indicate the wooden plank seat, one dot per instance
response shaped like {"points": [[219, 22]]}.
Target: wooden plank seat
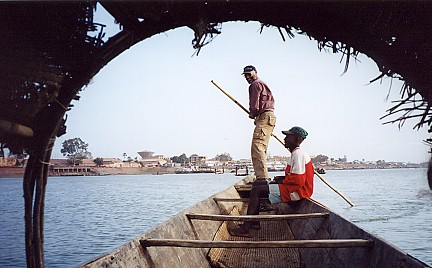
{"points": [[325, 243], [217, 199], [214, 217], [243, 188]]}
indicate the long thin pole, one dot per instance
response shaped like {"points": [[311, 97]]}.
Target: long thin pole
{"points": [[281, 142]]}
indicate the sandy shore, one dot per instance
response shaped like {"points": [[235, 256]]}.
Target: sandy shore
{"points": [[11, 172], [18, 172]]}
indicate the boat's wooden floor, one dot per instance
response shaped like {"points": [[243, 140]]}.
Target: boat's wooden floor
{"points": [[255, 257]]}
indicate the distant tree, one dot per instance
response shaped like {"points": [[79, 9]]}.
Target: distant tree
{"points": [[20, 155], [98, 161], [175, 159], [319, 159], [223, 157], [76, 150], [19, 158], [183, 158], [13, 153], [381, 162], [343, 160], [180, 159]]}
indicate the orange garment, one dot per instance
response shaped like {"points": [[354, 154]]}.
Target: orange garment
{"points": [[299, 176]]}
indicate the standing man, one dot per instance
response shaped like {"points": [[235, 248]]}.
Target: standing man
{"points": [[261, 109], [295, 185]]}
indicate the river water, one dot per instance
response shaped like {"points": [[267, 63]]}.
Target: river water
{"points": [[88, 216]]}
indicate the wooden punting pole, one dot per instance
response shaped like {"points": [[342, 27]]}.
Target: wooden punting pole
{"points": [[281, 142]]}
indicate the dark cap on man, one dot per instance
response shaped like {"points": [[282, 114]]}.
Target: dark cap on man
{"points": [[248, 69], [296, 131]]}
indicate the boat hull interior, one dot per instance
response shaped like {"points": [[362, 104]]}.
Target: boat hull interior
{"points": [[341, 243]]}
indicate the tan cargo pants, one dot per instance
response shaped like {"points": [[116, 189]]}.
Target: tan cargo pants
{"points": [[264, 125]]}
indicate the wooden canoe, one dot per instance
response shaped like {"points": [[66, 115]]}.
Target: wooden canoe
{"points": [[305, 234]]}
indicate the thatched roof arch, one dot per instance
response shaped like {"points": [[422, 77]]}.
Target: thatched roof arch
{"points": [[50, 50]]}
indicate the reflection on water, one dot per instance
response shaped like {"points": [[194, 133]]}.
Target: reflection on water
{"points": [[87, 216]]}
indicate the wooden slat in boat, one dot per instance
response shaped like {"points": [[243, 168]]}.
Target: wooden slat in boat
{"points": [[246, 187], [327, 243], [216, 199], [256, 217], [243, 190]]}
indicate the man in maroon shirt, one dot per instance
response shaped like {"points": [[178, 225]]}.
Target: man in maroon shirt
{"points": [[261, 107]]}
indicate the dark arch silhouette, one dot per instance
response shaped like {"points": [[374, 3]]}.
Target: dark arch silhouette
{"points": [[50, 50]]}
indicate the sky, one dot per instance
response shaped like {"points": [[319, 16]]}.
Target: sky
{"points": [[158, 96]]}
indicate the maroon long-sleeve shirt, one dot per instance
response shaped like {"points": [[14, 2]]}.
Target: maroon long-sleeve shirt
{"points": [[260, 98]]}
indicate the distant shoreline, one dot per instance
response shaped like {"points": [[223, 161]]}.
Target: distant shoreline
{"points": [[18, 172]]}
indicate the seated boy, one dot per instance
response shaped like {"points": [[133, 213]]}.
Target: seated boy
{"points": [[295, 185]]}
